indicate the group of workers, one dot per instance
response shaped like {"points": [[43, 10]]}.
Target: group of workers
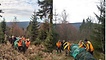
{"points": [[20, 43], [64, 45], [87, 45]]}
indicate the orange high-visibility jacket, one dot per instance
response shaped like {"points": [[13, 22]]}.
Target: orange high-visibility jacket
{"points": [[27, 43], [58, 44], [81, 45], [20, 43], [89, 46], [67, 45]]}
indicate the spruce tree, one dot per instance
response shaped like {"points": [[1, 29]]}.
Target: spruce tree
{"points": [[99, 31], [86, 29], [1, 36], [33, 27], [28, 30], [3, 25], [49, 41], [82, 25], [44, 28], [46, 9], [2, 31]]}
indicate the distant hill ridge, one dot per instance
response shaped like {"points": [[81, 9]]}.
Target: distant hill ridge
{"points": [[26, 23]]}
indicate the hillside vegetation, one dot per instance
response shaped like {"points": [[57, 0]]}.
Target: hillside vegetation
{"points": [[36, 53], [33, 53], [44, 36]]}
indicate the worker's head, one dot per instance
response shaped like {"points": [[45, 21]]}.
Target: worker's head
{"points": [[12, 36], [85, 40], [80, 41], [27, 40], [22, 36], [71, 44], [63, 40], [58, 40], [19, 40]]}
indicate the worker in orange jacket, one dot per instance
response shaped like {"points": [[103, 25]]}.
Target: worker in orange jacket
{"points": [[89, 46], [20, 45], [59, 44], [23, 38], [27, 43], [81, 44]]}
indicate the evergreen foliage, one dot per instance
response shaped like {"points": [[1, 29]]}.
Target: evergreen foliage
{"points": [[1, 36], [46, 9], [2, 31], [99, 31], [33, 27], [3, 26], [49, 41], [86, 28], [44, 28]]}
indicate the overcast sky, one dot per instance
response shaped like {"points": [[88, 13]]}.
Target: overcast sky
{"points": [[77, 10], [23, 9]]}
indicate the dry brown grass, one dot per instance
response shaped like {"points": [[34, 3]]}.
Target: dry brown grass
{"points": [[33, 53]]}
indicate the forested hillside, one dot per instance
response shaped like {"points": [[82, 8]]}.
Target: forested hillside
{"points": [[49, 40]]}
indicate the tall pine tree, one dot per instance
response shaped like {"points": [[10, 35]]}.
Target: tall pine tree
{"points": [[46, 9], [3, 25], [2, 31], [49, 42], [33, 27], [1, 36], [99, 32], [44, 28]]}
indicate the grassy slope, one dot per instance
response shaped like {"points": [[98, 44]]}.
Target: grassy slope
{"points": [[99, 55], [33, 53], [37, 53]]}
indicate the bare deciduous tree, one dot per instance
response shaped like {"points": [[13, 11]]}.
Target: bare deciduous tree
{"points": [[66, 30], [15, 29]]}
